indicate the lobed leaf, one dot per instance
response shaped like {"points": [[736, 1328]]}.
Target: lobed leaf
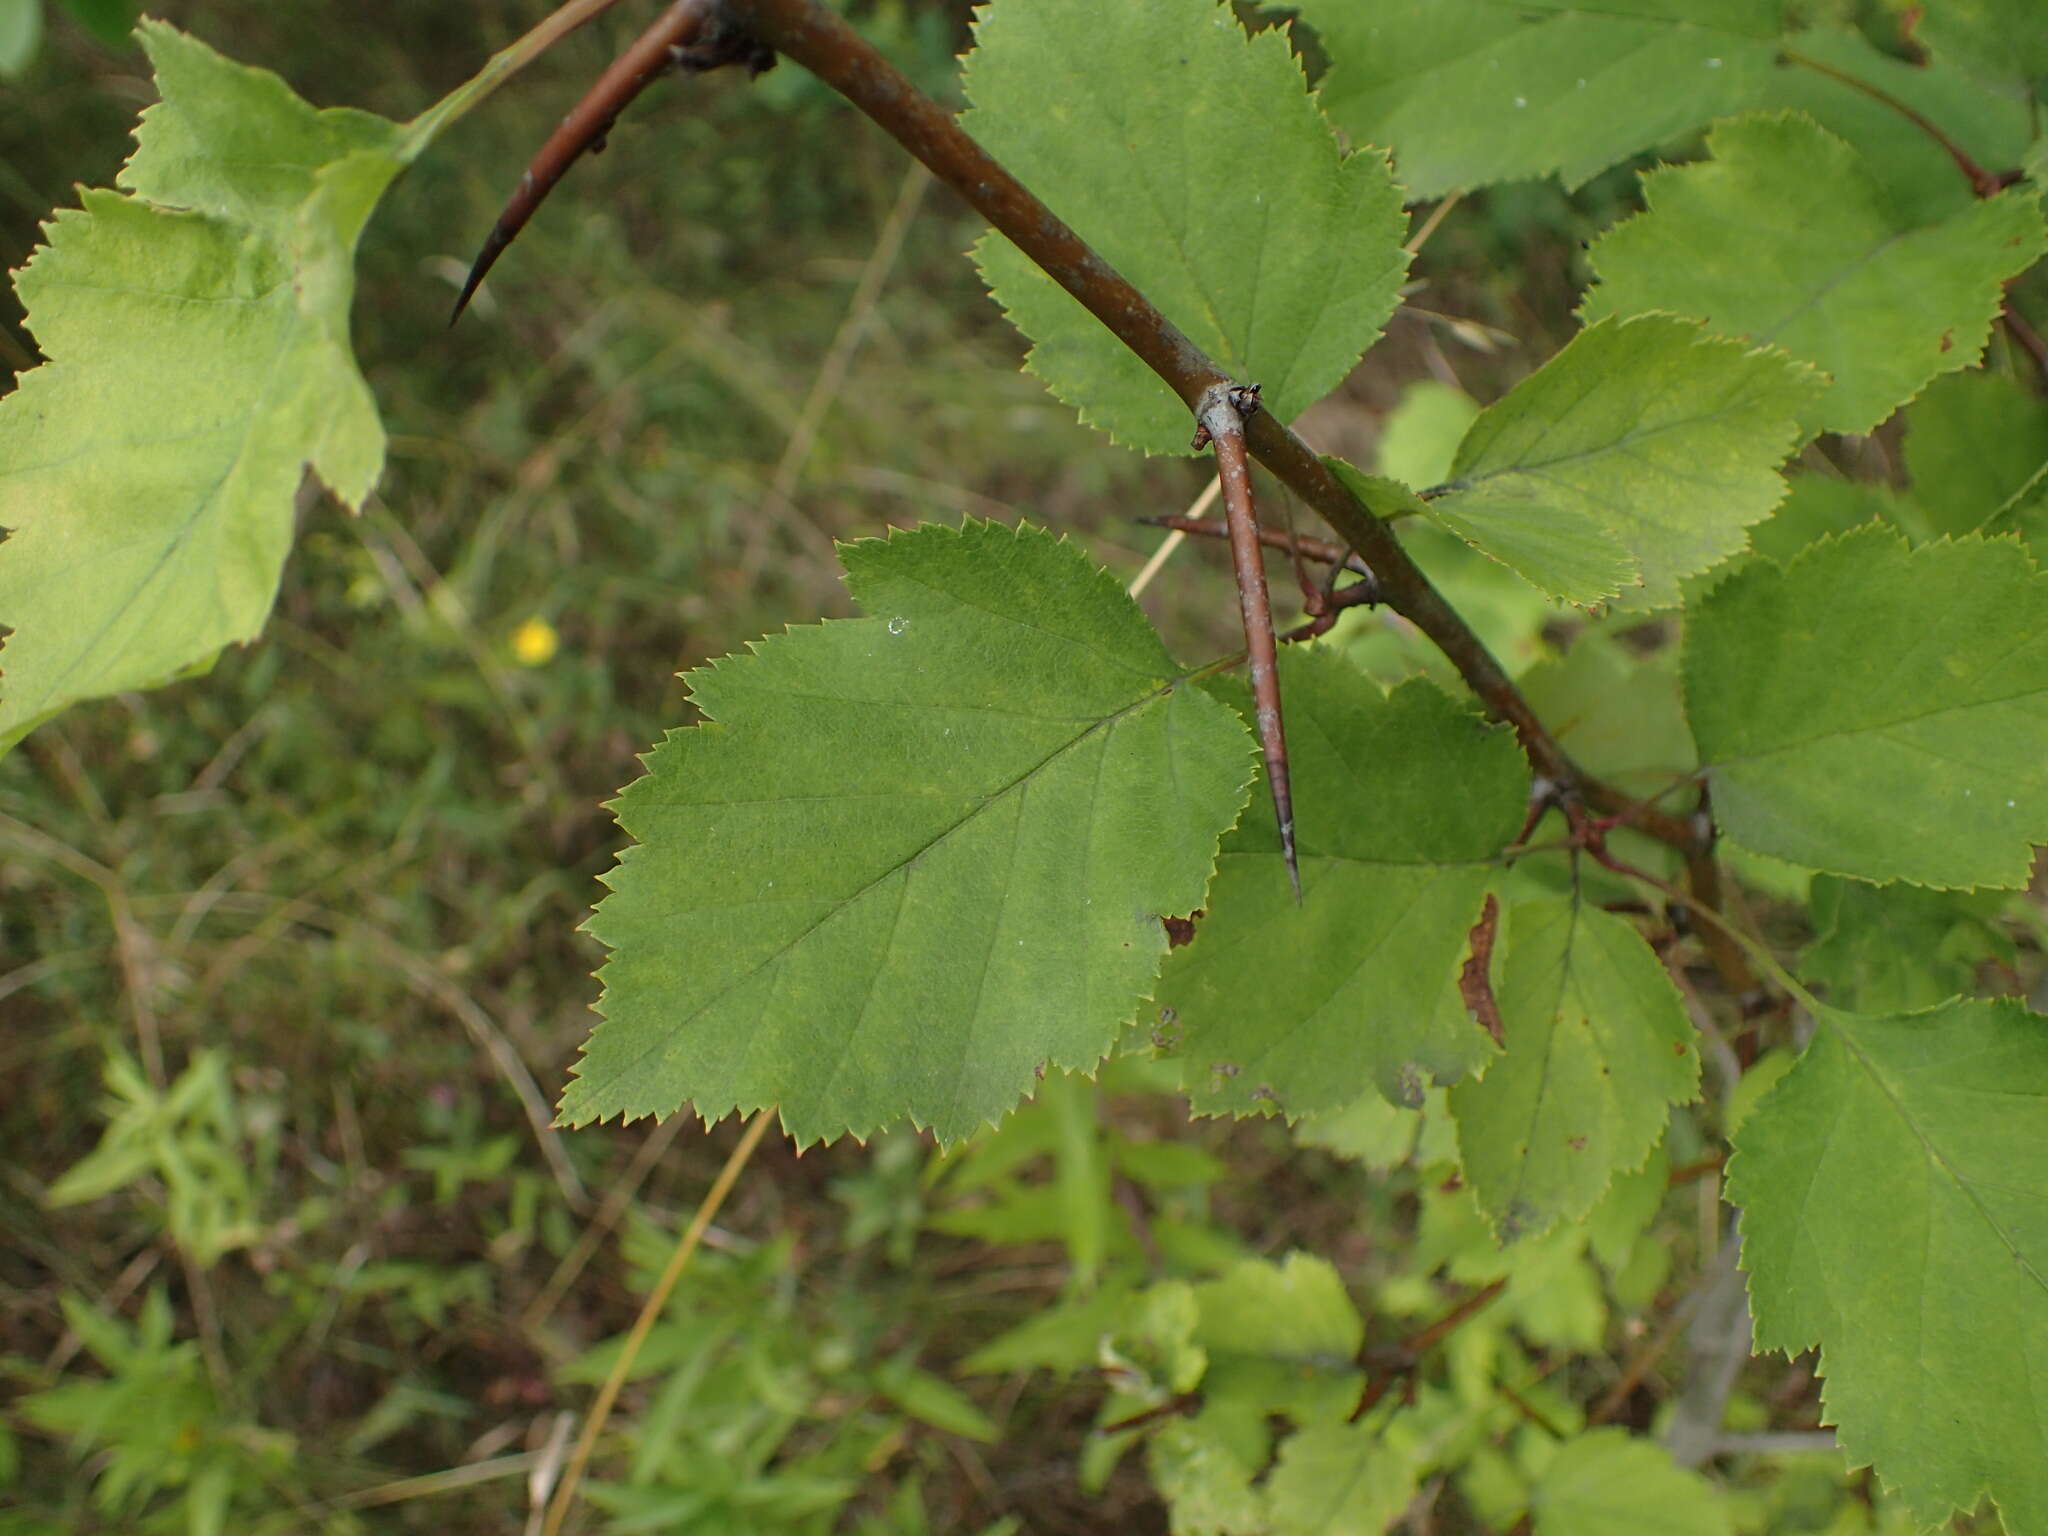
{"points": [[1894, 1197], [199, 362], [1467, 92], [1402, 801], [1879, 711], [1784, 237], [914, 858], [1598, 1049], [1636, 456], [1209, 179]]}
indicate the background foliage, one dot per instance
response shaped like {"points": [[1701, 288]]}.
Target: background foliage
{"points": [[290, 970]]}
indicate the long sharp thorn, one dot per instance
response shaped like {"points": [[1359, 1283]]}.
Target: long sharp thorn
{"points": [[651, 54], [1223, 425]]}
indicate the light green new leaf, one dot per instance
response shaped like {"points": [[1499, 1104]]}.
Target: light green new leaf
{"points": [[1619, 713], [1638, 454], [1785, 238], [1194, 160], [1894, 1197], [1608, 1482], [1205, 1480], [1296, 1308], [1598, 1049], [916, 857], [1337, 1479], [1401, 802], [1467, 92], [1840, 702], [1561, 551], [199, 364], [1977, 451]]}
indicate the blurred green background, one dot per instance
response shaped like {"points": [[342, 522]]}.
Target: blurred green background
{"points": [[289, 960]]}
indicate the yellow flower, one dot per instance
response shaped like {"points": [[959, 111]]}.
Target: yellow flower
{"points": [[535, 642]]}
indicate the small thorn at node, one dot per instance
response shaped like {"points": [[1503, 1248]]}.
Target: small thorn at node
{"points": [[1287, 853]]}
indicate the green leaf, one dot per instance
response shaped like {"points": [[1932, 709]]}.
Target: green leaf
{"points": [[1608, 1483], [1891, 948], [199, 362], [1977, 452], [1617, 712], [1836, 700], [2002, 42], [1064, 1337], [1894, 1197], [21, 35], [916, 857], [1818, 505], [1368, 1129], [1205, 1481], [931, 1401], [1468, 92], [1549, 552], [1210, 179], [1598, 1048], [1334, 1479], [1401, 803], [1297, 1308], [1420, 436], [1638, 454], [1784, 237]]}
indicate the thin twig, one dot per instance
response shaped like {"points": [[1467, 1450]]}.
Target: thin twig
{"points": [[1400, 1361], [2028, 339], [1222, 418], [1983, 182], [1322, 551], [1176, 538], [657, 1299], [1421, 236]]}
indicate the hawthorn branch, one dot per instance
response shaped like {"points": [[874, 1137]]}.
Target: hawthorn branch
{"points": [[818, 40]]}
